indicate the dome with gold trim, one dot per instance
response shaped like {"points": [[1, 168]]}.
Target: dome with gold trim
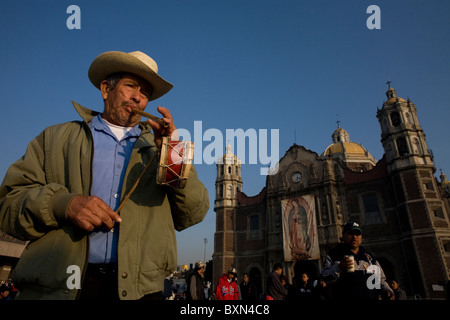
{"points": [[352, 154], [348, 148]]}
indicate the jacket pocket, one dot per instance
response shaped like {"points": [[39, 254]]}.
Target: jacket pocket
{"points": [[45, 261], [151, 281]]}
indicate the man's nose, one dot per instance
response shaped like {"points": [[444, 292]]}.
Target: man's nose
{"points": [[136, 97]]}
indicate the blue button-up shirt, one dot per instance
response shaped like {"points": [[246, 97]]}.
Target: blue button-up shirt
{"points": [[109, 165]]}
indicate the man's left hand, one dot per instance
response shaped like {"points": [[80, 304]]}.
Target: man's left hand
{"points": [[159, 130]]}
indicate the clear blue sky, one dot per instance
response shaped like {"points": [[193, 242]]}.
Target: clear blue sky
{"points": [[261, 64]]}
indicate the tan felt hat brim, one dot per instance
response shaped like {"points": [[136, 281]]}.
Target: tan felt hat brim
{"points": [[111, 62]]}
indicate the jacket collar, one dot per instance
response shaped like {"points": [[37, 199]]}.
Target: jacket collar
{"points": [[88, 115], [85, 113]]}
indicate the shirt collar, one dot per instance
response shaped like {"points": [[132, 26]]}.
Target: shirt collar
{"points": [[99, 124]]}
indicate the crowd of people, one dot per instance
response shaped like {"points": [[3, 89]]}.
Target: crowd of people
{"points": [[350, 272], [303, 287]]}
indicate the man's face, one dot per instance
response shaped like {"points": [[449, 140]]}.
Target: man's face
{"points": [[305, 278], [394, 285], [130, 92], [353, 239]]}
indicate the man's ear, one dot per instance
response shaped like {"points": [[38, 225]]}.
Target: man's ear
{"points": [[104, 88]]}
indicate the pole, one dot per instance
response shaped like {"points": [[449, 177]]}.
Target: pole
{"points": [[205, 240]]}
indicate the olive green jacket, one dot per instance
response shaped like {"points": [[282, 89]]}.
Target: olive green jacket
{"points": [[56, 167]]}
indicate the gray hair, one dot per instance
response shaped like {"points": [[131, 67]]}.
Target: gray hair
{"points": [[114, 78]]}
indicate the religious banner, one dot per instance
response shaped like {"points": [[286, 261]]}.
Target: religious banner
{"points": [[300, 238]]}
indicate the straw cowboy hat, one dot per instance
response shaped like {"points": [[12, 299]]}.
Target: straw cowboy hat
{"points": [[136, 62]]}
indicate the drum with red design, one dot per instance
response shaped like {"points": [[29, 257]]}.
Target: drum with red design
{"points": [[175, 162]]}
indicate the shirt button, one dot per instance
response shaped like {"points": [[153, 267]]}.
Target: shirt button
{"points": [[116, 195], [124, 275], [124, 293]]}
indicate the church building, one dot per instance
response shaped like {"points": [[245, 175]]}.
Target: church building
{"points": [[299, 214]]}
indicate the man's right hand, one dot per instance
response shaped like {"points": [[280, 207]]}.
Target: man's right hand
{"points": [[345, 263], [90, 212]]}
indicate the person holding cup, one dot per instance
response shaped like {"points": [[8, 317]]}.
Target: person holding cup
{"points": [[352, 271]]}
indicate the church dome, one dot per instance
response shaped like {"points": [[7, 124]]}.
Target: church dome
{"points": [[353, 154], [345, 147]]}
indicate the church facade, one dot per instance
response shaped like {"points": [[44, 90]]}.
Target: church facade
{"points": [[298, 216]]}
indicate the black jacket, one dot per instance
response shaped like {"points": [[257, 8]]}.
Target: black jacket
{"points": [[349, 285]]}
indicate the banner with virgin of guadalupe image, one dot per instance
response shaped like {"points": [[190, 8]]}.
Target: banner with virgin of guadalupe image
{"points": [[300, 238]]}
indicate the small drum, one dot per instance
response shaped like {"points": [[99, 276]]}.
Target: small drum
{"points": [[175, 162]]}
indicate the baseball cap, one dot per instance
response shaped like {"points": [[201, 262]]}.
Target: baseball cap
{"points": [[352, 227], [233, 271]]}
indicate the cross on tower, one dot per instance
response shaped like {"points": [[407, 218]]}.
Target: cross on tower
{"points": [[388, 83]]}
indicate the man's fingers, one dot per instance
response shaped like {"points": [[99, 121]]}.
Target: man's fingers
{"points": [[90, 212], [108, 214], [165, 112], [85, 225], [167, 118], [156, 127]]}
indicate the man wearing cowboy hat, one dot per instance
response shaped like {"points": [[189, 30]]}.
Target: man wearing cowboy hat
{"points": [[62, 195]]}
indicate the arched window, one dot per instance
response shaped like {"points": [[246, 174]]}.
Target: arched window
{"points": [[395, 119], [253, 228], [402, 147], [371, 208]]}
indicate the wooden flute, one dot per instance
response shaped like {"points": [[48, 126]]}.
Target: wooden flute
{"points": [[150, 116]]}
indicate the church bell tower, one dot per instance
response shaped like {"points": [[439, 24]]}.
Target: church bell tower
{"points": [[228, 184], [420, 210], [401, 135]]}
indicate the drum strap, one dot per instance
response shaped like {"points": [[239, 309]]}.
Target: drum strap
{"points": [[137, 181]]}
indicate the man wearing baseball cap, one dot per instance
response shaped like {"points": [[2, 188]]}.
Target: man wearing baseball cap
{"points": [[349, 267], [64, 194], [227, 288]]}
